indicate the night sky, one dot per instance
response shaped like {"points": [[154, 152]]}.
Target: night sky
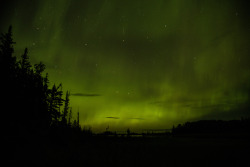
{"points": [[140, 64]]}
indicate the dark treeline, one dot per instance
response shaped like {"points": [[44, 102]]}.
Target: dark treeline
{"points": [[28, 104], [213, 126]]}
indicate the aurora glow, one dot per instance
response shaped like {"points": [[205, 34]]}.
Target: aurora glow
{"points": [[140, 64]]}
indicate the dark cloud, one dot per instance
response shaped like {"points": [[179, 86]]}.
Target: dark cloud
{"points": [[113, 117]]}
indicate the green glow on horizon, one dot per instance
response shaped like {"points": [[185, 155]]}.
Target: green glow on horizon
{"points": [[154, 64]]}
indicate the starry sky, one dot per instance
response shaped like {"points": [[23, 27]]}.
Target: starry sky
{"points": [[140, 64]]}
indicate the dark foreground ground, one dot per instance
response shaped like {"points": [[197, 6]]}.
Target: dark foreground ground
{"points": [[134, 151]]}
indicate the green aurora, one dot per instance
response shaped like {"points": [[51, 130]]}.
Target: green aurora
{"points": [[140, 64]]}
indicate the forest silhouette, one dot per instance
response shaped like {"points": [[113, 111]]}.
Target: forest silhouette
{"points": [[29, 105], [38, 129]]}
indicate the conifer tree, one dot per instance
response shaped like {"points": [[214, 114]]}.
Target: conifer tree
{"points": [[69, 117], [78, 124], [24, 62], [7, 60], [66, 109], [55, 102], [39, 68], [8, 82]]}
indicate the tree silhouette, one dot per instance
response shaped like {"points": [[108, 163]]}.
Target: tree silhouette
{"points": [[55, 102], [8, 61], [128, 132], [69, 117], [8, 76], [25, 65], [78, 119], [66, 109]]}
